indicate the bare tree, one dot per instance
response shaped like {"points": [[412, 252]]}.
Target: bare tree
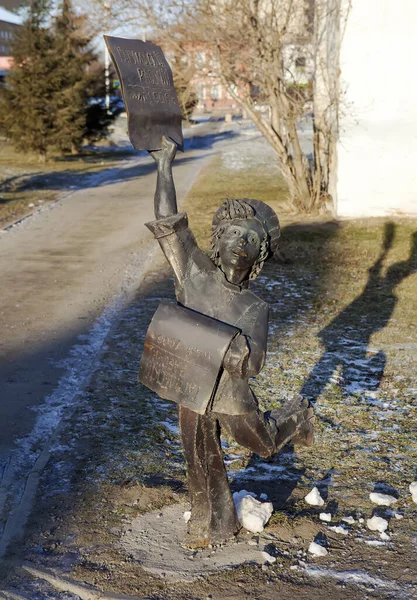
{"points": [[255, 48]]}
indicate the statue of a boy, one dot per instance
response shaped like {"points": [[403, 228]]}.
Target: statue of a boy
{"points": [[245, 234]]}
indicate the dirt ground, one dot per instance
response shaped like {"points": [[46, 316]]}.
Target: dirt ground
{"points": [[342, 332]]}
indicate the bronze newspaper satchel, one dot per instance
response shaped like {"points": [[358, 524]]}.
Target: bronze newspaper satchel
{"points": [[183, 355]]}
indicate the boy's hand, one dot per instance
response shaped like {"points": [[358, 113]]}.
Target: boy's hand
{"points": [[236, 359], [167, 153]]}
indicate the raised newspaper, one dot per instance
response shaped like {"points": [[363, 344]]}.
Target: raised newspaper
{"points": [[148, 92]]}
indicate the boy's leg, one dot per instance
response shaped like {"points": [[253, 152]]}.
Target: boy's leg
{"points": [[266, 433], [213, 514]]}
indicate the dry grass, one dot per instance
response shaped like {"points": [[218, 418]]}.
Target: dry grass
{"points": [[26, 185]]}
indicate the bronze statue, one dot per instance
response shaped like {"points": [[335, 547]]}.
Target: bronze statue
{"points": [[245, 234], [201, 352]]}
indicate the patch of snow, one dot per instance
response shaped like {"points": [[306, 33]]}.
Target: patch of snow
{"points": [[384, 536], [268, 558], [374, 543], [263, 497], [325, 517], [252, 514], [413, 491], [314, 498], [377, 524], [317, 550], [382, 499], [187, 516], [339, 529], [356, 577], [350, 520], [171, 427]]}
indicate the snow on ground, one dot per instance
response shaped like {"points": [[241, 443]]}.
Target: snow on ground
{"points": [[377, 524], [314, 498], [252, 514], [317, 550], [382, 499]]}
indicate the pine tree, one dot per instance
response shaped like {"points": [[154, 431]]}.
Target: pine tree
{"points": [[44, 104], [75, 80], [27, 108]]}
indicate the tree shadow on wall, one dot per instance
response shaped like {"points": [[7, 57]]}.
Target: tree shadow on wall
{"points": [[346, 339]]}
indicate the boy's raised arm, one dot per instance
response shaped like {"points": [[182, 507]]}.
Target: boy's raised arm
{"points": [[165, 201]]}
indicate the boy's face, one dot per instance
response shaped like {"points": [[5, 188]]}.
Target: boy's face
{"points": [[240, 243]]}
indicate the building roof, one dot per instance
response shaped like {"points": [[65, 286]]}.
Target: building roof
{"points": [[9, 17]]}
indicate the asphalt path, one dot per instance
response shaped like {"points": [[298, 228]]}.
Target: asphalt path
{"points": [[64, 274]]}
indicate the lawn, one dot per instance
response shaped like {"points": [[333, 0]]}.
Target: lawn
{"points": [[27, 185]]}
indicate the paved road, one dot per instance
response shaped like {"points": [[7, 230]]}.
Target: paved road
{"points": [[60, 273]]}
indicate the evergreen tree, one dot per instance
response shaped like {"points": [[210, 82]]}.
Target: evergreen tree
{"points": [[77, 81], [27, 108], [45, 102]]}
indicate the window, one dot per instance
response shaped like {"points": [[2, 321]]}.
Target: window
{"points": [[200, 58], [201, 92], [233, 89], [216, 91]]}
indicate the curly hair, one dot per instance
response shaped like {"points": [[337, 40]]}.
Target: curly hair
{"points": [[231, 209]]}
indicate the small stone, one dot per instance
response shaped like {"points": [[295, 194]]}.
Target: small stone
{"points": [[384, 536], [398, 516]]}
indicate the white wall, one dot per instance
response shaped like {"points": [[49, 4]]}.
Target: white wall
{"points": [[377, 151]]}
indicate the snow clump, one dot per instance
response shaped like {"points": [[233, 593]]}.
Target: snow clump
{"points": [[339, 529], [252, 514], [382, 499], [377, 524], [413, 491], [187, 516], [268, 558], [325, 517], [350, 520], [317, 550], [314, 498]]}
